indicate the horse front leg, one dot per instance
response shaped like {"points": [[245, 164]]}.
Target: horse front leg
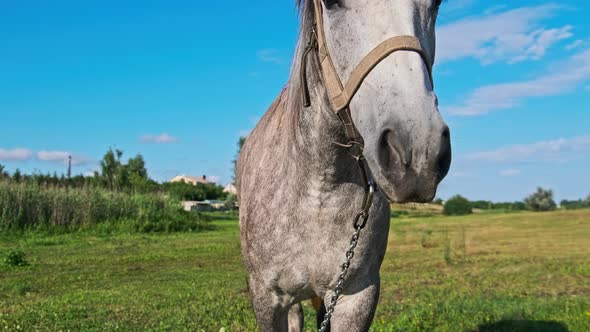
{"points": [[295, 318], [356, 308], [270, 309]]}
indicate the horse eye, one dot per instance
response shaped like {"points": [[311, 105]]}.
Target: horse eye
{"points": [[331, 3], [438, 3]]}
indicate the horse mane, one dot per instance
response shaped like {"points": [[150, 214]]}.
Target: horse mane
{"points": [[300, 4], [294, 103], [306, 13], [295, 86]]}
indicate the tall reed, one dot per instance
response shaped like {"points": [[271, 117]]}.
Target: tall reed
{"points": [[29, 206]]}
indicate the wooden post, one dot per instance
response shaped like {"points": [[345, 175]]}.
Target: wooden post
{"points": [[69, 167]]}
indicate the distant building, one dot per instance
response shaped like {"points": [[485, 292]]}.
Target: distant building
{"points": [[204, 206], [230, 189], [216, 204], [190, 205], [194, 180]]}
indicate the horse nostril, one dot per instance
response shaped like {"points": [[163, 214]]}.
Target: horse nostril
{"points": [[394, 151], [444, 156], [446, 134]]}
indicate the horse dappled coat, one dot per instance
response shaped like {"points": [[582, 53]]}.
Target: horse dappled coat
{"points": [[361, 84]]}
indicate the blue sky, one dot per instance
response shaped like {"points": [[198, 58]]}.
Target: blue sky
{"points": [[180, 81]]}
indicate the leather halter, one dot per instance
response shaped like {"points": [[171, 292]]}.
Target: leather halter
{"points": [[340, 95]]}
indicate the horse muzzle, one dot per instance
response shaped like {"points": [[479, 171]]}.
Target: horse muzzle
{"points": [[411, 171]]}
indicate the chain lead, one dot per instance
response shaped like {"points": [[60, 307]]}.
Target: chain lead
{"points": [[360, 221]]}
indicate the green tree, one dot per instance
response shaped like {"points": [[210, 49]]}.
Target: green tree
{"points": [[572, 205], [231, 202], [137, 174], [457, 206], [117, 175], [541, 200], [241, 142], [212, 191], [109, 165], [125, 176], [136, 165], [121, 173], [17, 176], [518, 206], [483, 205], [142, 185], [122, 181], [183, 191], [3, 173]]}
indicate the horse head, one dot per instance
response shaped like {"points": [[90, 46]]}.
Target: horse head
{"points": [[395, 110]]}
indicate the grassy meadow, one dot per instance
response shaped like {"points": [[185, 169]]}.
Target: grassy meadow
{"points": [[484, 272]]}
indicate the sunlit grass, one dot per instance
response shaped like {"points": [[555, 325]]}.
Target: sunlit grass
{"points": [[492, 272]]}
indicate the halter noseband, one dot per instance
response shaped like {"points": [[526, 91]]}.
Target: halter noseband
{"points": [[340, 95]]}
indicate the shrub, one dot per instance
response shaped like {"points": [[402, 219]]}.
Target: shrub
{"points": [[457, 206], [509, 206], [231, 202], [577, 204], [438, 201], [541, 200], [518, 206], [15, 258], [482, 205]]}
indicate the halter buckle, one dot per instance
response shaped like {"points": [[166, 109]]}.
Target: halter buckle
{"points": [[355, 149]]}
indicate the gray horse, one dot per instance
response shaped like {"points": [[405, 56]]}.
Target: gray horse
{"points": [[299, 187]]}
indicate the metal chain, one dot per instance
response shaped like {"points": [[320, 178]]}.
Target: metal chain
{"points": [[360, 221], [340, 285]]}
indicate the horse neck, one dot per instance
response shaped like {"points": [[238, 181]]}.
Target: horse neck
{"points": [[315, 129]]}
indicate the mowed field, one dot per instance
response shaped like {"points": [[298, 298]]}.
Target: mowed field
{"points": [[485, 272]]}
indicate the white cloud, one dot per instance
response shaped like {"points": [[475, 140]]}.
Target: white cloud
{"points": [[21, 154], [163, 138], [554, 150], [18, 154], [511, 36], [573, 45], [543, 40], [61, 157], [270, 55], [563, 78], [510, 172]]}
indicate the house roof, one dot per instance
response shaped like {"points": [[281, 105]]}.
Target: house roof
{"points": [[195, 179], [230, 188]]}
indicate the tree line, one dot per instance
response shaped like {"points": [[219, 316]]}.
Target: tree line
{"points": [[119, 175], [540, 200]]}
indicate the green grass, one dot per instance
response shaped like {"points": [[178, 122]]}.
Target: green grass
{"points": [[488, 272]]}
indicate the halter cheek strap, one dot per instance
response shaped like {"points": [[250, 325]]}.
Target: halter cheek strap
{"points": [[339, 94]]}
